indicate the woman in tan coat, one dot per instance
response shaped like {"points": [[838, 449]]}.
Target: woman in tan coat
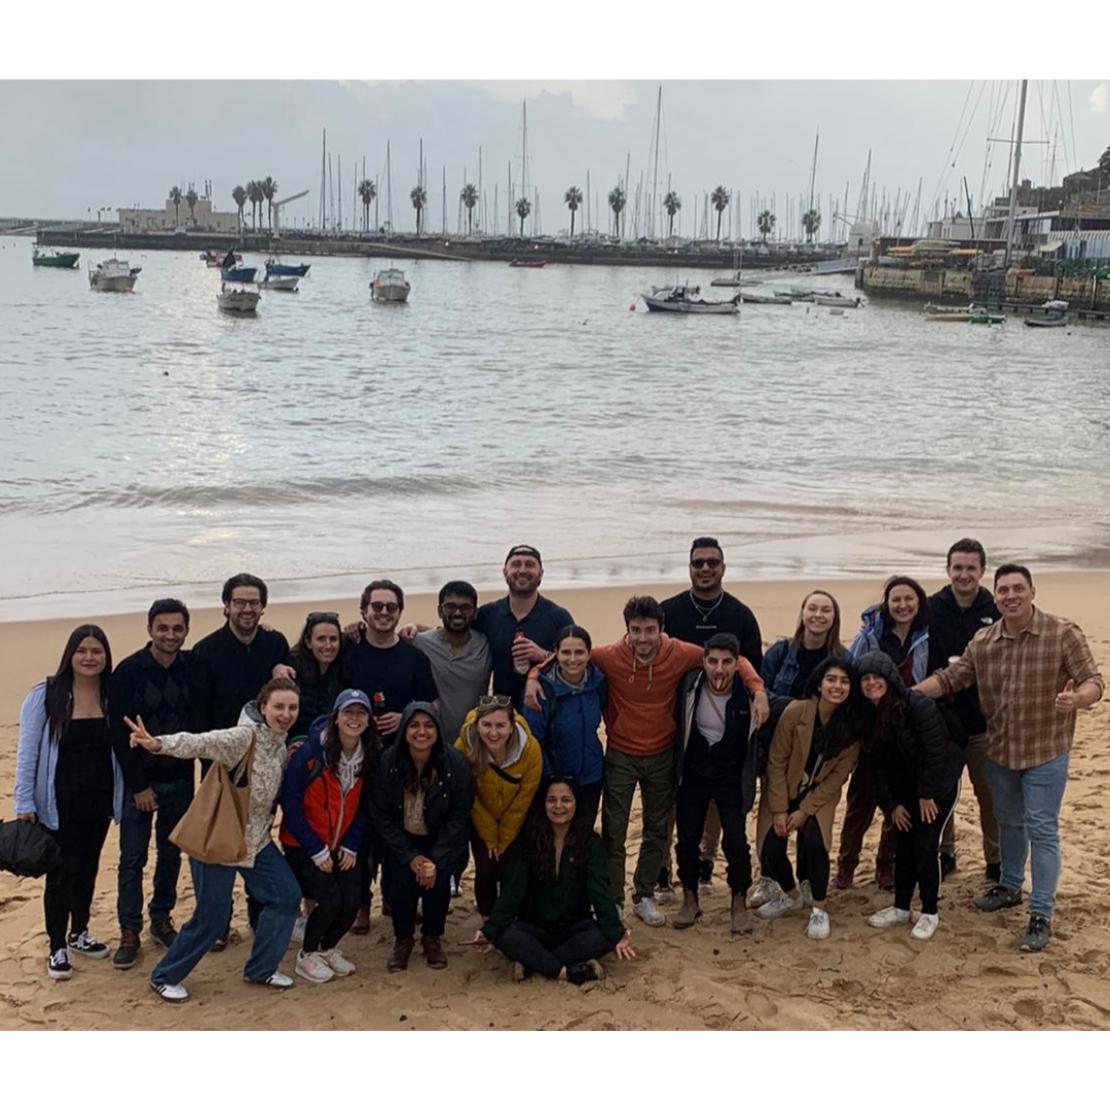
{"points": [[812, 754]]}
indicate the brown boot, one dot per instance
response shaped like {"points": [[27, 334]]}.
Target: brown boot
{"points": [[399, 958], [361, 924], [842, 880], [690, 911], [740, 921], [433, 952]]}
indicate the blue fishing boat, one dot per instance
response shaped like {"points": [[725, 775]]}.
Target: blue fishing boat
{"points": [[286, 269], [239, 273]]}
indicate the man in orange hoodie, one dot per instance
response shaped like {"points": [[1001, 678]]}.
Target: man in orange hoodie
{"points": [[643, 671]]}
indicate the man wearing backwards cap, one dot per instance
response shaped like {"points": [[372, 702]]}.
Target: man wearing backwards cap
{"points": [[526, 611]]}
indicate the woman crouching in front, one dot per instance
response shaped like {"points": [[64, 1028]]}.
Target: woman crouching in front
{"points": [[813, 751], [555, 914], [323, 826], [917, 770], [265, 724], [421, 808]]}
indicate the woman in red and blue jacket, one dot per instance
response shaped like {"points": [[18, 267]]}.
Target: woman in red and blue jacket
{"points": [[323, 826]]}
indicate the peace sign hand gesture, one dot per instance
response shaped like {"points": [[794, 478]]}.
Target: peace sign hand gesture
{"points": [[140, 738]]}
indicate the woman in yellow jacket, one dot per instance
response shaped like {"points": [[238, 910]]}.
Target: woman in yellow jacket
{"points": [[506, 762]]}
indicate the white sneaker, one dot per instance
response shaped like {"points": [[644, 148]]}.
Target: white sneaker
{"points": [[763, 892], [455, 891], [889, 916], [806, 891], [818, 927], [278, 980], [664, 893], [313, 967], [170, 992], [926, 926], [648, 912], [297, 936], [780, 904], [338, 962]]}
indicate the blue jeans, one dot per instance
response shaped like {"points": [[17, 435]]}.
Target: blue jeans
{"points": [[270, 881], [173, 800], [1027, 805]]}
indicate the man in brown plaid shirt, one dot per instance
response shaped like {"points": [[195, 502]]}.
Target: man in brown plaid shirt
{"points": [[1034, 671]]}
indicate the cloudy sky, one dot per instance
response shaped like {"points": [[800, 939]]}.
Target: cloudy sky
{"points": [[73, 146]]}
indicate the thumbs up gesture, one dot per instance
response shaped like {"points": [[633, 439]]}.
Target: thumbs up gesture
{"points": [[1065, 699]]}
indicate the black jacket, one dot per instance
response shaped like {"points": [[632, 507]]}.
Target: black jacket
{"points": [[684, 622], [921, 760], [235, 671], [950, 631], [446, 802]]}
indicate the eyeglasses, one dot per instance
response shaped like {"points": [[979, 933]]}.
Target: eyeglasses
{"points": [[319, 618], [502, 701], [239, 603], [450, 607], [384, 607], [697, 564]]}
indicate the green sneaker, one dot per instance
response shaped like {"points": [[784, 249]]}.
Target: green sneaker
{"points": [[1037, 934], [997, 898]]}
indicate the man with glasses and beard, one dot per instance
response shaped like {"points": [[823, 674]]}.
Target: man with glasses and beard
{"points": [[706, 609]]}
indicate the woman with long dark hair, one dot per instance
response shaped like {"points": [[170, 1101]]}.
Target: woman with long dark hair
{"points": [[555, 914], [899, 626], [318, 669], [324, 825], [67, 778], [813, 752], [917, 768], [420, 806], [506, 765]]}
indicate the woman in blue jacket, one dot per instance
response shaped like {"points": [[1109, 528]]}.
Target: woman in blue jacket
{"points": [[567, 722], [789, 662], [67, 779]]}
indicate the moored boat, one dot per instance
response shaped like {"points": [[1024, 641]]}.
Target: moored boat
{"points": [[275, 268], [390, 286], [762, 298], [528, 263], [1060, 321], [985, 318], [58, 260], [216, 261], [283, 283], [242, 301], [113, 275], [243, 274], [837, 300], [681, 298]]}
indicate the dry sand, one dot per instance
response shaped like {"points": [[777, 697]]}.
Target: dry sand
{"points": [[970, 976]]}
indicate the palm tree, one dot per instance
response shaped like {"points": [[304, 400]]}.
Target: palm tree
{"points": [[811, 221], [523, 207], [191, 199], [367, 191], [419, 198], [239, 195], [672, 202], [572, 198], [257, 196], [617, 202], [176, 197], [720, 198], [469, 197], [766, 223], [269, 190]]}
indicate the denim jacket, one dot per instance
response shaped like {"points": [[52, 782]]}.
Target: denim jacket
{"points": [[780, 667]]}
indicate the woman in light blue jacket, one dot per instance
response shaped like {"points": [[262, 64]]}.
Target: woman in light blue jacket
{"points": [[68, 780]]}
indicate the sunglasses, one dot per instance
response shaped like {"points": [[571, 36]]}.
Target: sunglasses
{"points": [[697, 564], [450, 607], [502, 701], [239, 603], [319, 618], [384, 607]]}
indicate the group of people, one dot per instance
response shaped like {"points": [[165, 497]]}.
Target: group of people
{"points": [[397, 753]]}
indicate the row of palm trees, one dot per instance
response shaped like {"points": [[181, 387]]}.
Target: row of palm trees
{"points": [[572, 198], [257, 192]]}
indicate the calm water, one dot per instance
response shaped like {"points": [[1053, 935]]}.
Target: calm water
{"points": [[150, 440]]}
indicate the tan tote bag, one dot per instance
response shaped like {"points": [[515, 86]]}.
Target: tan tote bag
{"points": [[213, 827]]}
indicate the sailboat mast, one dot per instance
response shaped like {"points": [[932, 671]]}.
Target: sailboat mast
{"points": [[813, 171], [1014, 183], [481, 194], [655, 168], [323, 180], [388, 189]]}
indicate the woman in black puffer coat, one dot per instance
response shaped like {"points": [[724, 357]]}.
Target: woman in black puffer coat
{"points": [[917, 768]]}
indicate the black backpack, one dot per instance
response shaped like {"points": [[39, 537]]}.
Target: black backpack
{"points": [[27, 849]]}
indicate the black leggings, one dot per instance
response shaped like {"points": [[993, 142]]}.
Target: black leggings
{"points": [[69, 887], [548, 951], [336, 894], [404, 893], [917, 855], [813, 859]]}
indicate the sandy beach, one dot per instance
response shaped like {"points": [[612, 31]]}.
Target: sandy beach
{"points": [[970, 976]]}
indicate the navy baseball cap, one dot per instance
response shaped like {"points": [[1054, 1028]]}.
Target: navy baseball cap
{"points": [[352, 697]]}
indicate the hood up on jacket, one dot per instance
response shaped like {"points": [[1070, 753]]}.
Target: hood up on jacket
{"points": [[414, 707], [878, 662]]}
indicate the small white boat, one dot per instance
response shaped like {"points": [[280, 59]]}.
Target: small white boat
{"points": [[837, 300], [1056, 306], [113, 275], [762, 298], [242, 301], [285, 283], [682, 298], [390, 286]]}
